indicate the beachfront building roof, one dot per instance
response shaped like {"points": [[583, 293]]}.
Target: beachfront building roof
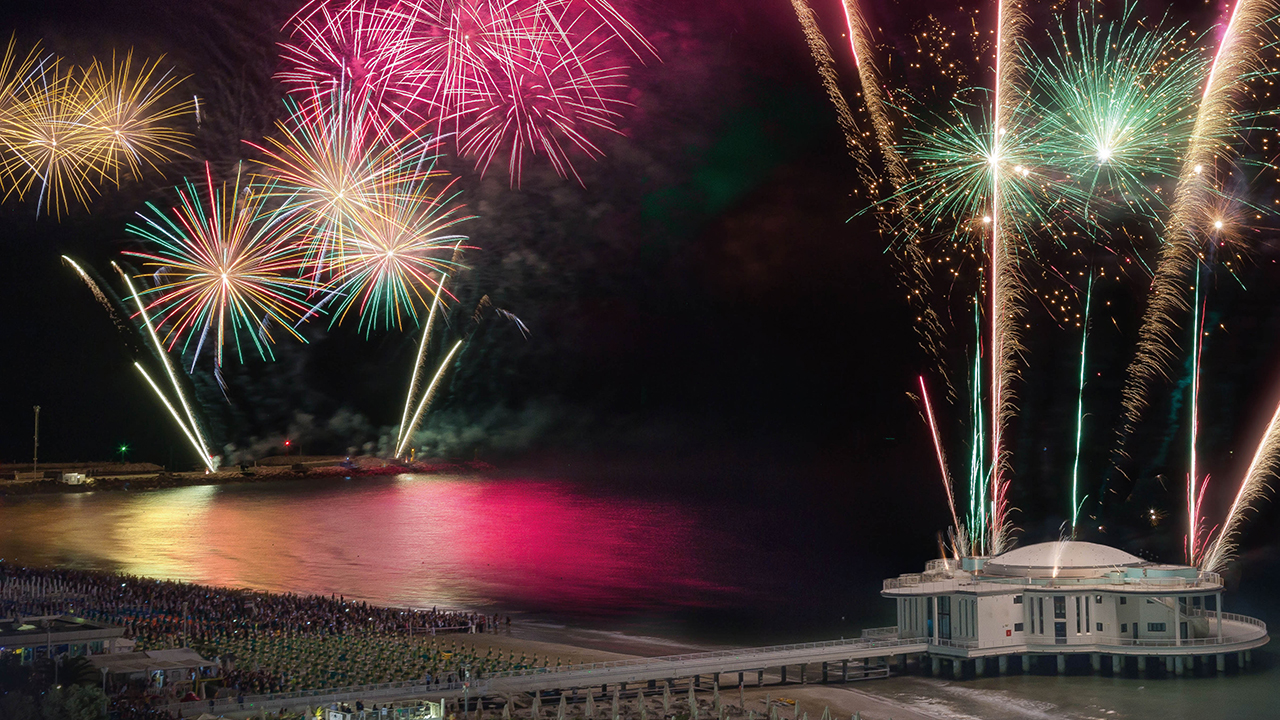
{"points": [[1062, 598], [31, 638]]}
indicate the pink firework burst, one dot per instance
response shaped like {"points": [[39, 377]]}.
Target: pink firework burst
{"points": [[505, 78]]}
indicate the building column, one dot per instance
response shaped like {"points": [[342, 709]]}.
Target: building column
{"points": [[803, 668], [1219, 663], [937, 665], [784, 674], [1177, 621], [1218, 611], [844, 671], [1002, 665], [1117, 664], [1142, 664], [979, 667], [1179, 665], [759, 678], [739, 679], [824, 672], [1168, 664], [1095, 662], [1062, 664], [1248, 658]]}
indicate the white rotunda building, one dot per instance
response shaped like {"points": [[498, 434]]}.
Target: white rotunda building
{"points": [[1063, 599]]}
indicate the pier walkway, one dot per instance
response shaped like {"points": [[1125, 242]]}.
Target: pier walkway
{"points": [[855, 659]]}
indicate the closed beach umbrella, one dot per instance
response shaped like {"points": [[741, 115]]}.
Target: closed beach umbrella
{"points": [[693, 703], [614, 714], [537, 705], [560, 710], [591, 705], [644, 707], [506, 710], [666, 700]]}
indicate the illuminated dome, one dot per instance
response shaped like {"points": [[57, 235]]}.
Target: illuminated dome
{"points": [[1061, 559]]}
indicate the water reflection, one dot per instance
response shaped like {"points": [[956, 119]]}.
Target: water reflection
{"points": [[411, 540]]}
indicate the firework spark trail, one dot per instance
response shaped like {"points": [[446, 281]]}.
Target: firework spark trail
{"points": [[417, 363], [168, 368], [831, 83], [977, 456], [1193, 515], [1255, 487], [910, 257], [98, 295], [1236, 56], [185, 431], [1005, 288], [426, 398], [958, 530], [1075, 467]]}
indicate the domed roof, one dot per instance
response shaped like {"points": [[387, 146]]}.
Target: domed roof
{"points": [[1075, 558]]}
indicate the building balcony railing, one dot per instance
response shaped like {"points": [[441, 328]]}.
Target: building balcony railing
{"points": [[1037, 643], [1206, 580]]}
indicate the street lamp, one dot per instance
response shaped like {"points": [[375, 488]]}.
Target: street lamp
{"points": [[123, 450]]}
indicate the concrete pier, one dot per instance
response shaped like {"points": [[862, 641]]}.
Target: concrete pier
{"points": [[1062, 664], [1219, 663], [1003, 665], [1117, 664], [1142, 664], [1168, 664], [937, 665], [1095, 662]]}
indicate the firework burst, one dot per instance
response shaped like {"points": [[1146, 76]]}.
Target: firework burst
{"points": [[222, 266]]}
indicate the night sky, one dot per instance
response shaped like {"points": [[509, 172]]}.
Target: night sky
{"points": [[707, 306]]}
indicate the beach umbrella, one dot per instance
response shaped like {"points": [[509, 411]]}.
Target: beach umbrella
{"points": [[693, 703], [826, 713], [560, 710], [537, 705], [506, 710], [666, 699], [591, 705], [715, 694], [644, 707], [614, 714]]}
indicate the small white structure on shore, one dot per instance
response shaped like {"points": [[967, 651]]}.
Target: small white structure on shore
{"points": [[1063, 598]]}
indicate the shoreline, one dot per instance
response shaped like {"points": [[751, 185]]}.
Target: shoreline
{"points": [[281, 472]]}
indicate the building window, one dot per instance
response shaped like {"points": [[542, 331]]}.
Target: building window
{"points": [[1097, 599], [1017, 599], [1017, 627], [1124, 628], [1099, 627], [1040, 609], [1078, 618], [944, 617], [1059, 607], [1155, 627], [1124, 600]]}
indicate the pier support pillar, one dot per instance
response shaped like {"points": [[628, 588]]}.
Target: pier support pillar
{"points": [[1095, 662], [739, 679], [783, 672], [1117, 664], [759, 678], [803, 668], [824, 672], [622, 688], [604, 688], [902, 664], [653, 685], [1168, 664], [1062, 664], [937, 665], [1179, 665], [1142, 664], [697, 681], [1002, 665], [1219, 663], [1248, 658], [979, 667], [844, 671], [1240, 660]]}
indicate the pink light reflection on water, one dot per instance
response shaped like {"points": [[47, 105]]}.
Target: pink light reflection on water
{"points": [[450, 541]]}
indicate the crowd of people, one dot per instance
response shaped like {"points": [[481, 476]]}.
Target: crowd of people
{"points": [[259, 642]]}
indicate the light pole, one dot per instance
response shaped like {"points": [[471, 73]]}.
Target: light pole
{"points": [[35, 452]]}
